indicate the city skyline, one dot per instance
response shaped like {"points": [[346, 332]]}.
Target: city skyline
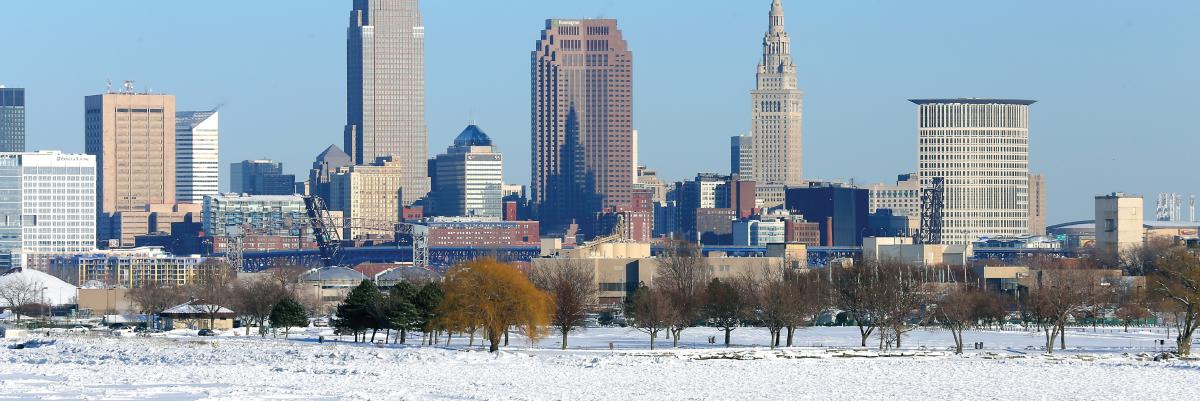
{"points": [[1072, 135]]}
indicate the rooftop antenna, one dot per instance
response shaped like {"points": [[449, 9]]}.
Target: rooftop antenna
{"points": [[108, 86], [127, 87]]}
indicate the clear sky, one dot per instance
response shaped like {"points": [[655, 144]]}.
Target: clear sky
{"points": [[1116, 81]]}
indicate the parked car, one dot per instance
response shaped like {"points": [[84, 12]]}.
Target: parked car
{"points": [[77, 330], [207, 333]]}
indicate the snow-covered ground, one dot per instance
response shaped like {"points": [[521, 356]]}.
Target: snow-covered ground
{"points": [[1098, 366]]}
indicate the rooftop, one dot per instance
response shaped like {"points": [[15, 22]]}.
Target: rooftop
{"points": [[973, 100], [472, 136]]}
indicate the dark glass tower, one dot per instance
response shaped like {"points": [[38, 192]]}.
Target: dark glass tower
{"points": [[12, 119]]}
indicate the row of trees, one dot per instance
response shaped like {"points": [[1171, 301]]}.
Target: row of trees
{"points": [[482, 296], [274, 299]]}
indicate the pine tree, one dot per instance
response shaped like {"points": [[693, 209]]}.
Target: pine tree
{"points": [[362, 310], [401, 310], [288, 313], [427, 302]]}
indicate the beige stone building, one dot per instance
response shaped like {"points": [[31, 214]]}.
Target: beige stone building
{"points": [[777, 112], [371, 197], [132, 136], [1119, 221]]}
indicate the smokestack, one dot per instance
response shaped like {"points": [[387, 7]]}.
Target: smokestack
{"points": [[829, 231]]}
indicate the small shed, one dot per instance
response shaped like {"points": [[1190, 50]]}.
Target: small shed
{"points": [[196, 315]]}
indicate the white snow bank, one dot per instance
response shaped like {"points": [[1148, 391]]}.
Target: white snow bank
{"points": [[56, 292]]}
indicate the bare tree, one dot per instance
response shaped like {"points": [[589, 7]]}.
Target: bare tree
{"points": [[254, 299], [152, 297], [683, 273], [17, 291], [809, 300], [772, 299], [959, 309], [572, 286], [211, 287], [1177, 280], [725, 306], [1058, 295], [650, 312]]}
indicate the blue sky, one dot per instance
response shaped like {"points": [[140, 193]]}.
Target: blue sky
{"points": [[1116, 81]]}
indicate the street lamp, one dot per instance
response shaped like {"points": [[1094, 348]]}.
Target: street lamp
{"points": [[45, 305]]}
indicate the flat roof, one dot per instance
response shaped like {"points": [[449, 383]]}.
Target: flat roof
{"points": [[973, 100]]}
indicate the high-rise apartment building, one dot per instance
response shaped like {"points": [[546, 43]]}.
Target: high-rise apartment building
{"points": [[386, 89], [197, 164], [261, 177], [12, 119], [132, 136], [582, 111], [980, 148], [47, 205], [741, 156], [778, 110], [1037, 204], [370, 196], [469, 177]]}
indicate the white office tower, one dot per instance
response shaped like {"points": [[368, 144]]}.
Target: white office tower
{"points": [[47, 205], [470, 176], [197, 168], [979, 150]]}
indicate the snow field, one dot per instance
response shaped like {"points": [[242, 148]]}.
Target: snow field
{"points": [[1099, 366]]}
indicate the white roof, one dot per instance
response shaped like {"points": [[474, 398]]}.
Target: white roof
{"points": [[57, 292], [195, 309]]}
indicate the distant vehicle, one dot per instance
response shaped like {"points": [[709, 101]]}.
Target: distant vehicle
{"points": [[117, 326], [78, 330], [206, 333], [320, 322]]}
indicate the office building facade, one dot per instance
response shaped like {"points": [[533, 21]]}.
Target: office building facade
{"points": [[777, 112], [261, 177], [470, 177], [258, 215], [326, 165], [582, 115], [840, 210], [12, 119], [1037, 204], [197, 152], [979, 149], [132, 136], [1120, 222], [386, 89], [47, 205], [741, 156], [372, 197]]}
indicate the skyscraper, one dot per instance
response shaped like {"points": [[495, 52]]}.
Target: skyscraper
{"points": [[741, 156], [197, 168], [261, 177], [12, 119], [582, 110], [980, 148], [132, 136], [778, 110], [48, 207], [470, 176], [386, 88]]}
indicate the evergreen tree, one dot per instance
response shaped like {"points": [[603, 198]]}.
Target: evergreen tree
{"points": [[427, 302], [288, 313], [362, 310], [401, 310]]}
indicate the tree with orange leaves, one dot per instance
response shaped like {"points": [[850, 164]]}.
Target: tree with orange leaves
{"points": [[494, 296]]}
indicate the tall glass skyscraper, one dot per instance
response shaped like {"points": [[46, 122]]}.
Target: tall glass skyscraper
{"points": [[385, 70], [12, 119], [197, 168]]}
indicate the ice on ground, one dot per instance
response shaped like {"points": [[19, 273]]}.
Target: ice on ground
{"points": [[830, 365]]}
